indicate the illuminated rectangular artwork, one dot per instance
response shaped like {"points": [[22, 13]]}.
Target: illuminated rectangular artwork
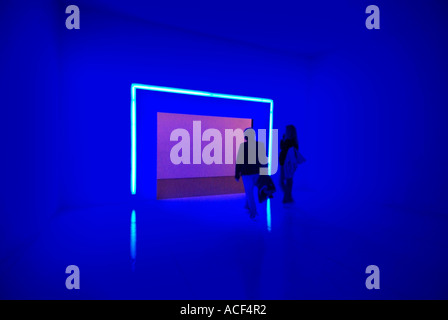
{"points": [[193, 179], [199, 180]]}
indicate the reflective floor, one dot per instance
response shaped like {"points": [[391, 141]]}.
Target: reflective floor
{"points": [[208, 248]]}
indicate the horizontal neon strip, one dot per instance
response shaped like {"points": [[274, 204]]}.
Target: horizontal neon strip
{"points": [[135, 86], [199, 93]]}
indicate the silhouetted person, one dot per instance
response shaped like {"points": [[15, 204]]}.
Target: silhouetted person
{"points": [[288, 141], [248, 167]]}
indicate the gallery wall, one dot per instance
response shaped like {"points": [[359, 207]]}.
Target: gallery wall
{"points": [[111, 51], [378, 112], [29, 123], [370, 113]]}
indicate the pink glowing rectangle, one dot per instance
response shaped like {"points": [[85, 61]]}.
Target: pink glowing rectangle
{"points": [[167, 122]]}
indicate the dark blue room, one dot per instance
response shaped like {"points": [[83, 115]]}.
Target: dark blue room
{"points": [[92, 208]]}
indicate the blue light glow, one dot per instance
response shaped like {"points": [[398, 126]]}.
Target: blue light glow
{"points": [[133, 140], [133, 241], [199, 93], [136, 86], [271, 126], [268, 214]]}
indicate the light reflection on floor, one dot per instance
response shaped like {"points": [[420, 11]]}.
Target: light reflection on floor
{"points": [[209, 248], [133, 240]]}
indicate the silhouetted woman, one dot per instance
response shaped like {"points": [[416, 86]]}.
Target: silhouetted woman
{"points": [[288, 141]]}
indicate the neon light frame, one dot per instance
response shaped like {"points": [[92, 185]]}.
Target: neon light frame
{"points": [[135, 86]]}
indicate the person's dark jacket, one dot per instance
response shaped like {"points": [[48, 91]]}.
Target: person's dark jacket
{"points": [[284, 147], [243, 167]]}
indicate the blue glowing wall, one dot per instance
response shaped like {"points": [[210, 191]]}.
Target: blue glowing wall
{"points": [[370, 106], [96, 127]]}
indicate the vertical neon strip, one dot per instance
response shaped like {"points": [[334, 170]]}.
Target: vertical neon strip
{"points": [[133, 239], [271, 127], [136, 86], [133, 140], [268, 214]]}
